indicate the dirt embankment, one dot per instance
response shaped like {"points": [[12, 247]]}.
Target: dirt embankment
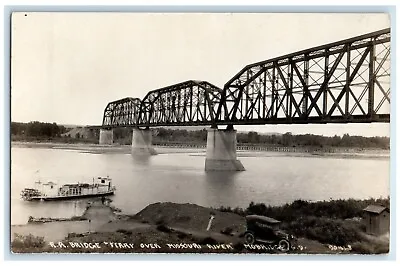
{"points": [[158, 228], [190, 216]]}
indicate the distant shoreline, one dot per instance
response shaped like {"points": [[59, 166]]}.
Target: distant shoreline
{"points": [[186, 148]]}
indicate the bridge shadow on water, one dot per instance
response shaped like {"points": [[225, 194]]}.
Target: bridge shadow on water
{"points": [[222, 188], [141, 159], [221, 179]]}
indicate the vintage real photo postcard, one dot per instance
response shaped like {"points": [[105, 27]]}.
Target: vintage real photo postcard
{"points": [[240, 133]]}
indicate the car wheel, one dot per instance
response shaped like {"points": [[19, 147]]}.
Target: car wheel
{"points": [[284, 245], [249, 238]]}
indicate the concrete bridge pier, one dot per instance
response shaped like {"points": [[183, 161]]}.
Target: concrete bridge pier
{"points": [[106, 137], [141, 142], [221, 151]]}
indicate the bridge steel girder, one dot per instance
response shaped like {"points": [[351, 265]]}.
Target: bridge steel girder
{"points": [[190, 103], [343, 82], [120, 113]]}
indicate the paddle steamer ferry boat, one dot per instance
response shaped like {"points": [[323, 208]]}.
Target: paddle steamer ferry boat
{"points": [[102, 186]]}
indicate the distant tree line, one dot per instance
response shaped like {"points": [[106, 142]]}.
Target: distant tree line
{"points": [[287, 139], [37, 129], [290, 140], [163, 135], [180, 135]]}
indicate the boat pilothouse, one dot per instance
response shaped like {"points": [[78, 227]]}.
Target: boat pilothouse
{"points": [[102, 186]]}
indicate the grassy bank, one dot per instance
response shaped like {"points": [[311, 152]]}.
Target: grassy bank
{"points": [[335, 222], [336, 209], [317, 225]]}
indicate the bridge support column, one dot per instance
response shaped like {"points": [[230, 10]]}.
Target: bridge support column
{"points": [[141, 142], [221, 151], [106, 137]]}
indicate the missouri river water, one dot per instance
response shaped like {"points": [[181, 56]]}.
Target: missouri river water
{"points": [[270, 177]]}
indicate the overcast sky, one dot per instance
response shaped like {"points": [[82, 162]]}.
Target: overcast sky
{"points": [[66, 67]]}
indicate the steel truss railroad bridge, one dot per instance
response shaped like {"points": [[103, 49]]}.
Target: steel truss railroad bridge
{"points": [[342, 82]]}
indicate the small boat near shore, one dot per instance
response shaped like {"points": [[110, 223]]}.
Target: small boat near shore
{"points": [[102, 186]]}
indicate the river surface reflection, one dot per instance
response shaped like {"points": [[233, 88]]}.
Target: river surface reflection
{"points": [[272, 178]]}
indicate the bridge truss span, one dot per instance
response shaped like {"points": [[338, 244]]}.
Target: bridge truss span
{"points": [[188, 103], [342, 82], [123, 112], [345, 81]]}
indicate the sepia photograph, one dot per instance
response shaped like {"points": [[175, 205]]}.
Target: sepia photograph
{"points": [[200, 133]]}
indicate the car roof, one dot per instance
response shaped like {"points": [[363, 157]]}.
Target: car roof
{"points": [[261, 218]]}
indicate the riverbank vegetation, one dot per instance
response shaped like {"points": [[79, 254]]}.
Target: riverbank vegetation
{"points": [[49, 132], [316, 225], [336, 209], [287, 140], [38, 131], [334, 222]]}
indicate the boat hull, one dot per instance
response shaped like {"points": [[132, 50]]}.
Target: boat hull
{"points": [[72, 197]]}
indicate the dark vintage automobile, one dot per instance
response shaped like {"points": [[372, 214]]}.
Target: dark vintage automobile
{"points": [[263, 229]]}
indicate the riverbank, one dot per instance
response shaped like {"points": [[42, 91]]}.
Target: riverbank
{"points": [[243, 151], [182, 228]]}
